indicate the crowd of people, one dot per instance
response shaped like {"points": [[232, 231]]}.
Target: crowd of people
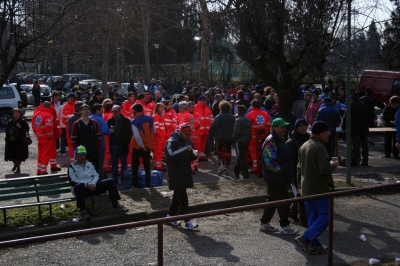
{"points": [[116, 132]]}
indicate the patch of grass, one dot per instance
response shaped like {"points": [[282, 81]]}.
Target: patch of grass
{"points": [[29, 216]]}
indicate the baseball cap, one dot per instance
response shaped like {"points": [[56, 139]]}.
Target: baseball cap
{"points": [[279, 122], [186, 128]]}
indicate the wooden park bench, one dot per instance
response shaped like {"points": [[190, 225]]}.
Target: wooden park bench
{"points": [[39, 189]]}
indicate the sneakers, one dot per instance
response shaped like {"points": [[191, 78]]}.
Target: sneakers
{"points": [[190, 225], [288, 230], [174, 223], [267, 227], [304, 244], [85, 216], [120, 209], [316, 250], [221, 169]]}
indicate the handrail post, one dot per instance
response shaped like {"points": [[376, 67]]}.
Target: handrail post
{"points": [[160, 244], [330, 232]]}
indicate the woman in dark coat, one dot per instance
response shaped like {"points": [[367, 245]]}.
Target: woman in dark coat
{"points": [[16, 130]]}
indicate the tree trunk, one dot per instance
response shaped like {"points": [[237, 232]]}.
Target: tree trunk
{"points": [[106, 55], [145, 29], [205, 43]]}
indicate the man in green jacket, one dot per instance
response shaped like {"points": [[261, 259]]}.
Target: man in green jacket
{"points": [[315, 170]]}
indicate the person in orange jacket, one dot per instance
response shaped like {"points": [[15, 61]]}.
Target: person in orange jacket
{"points": [[57, 135], [205, 121], [160, 136], [195, 134], [170, 118], [107, 114], [67, 112], [44, 128], [127, 106], [149, 104], [259, 120]]}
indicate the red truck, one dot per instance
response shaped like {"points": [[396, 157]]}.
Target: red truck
{"points": [[384, 84]]}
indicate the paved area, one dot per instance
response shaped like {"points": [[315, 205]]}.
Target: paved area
{"points": [[232, 239]]}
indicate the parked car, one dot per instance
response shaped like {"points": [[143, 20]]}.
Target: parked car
{"points": [[77, 76], [384, 84], [9, 99], [28, 89]]}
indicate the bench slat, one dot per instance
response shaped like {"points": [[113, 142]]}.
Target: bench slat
{"points": [[18, 196], [43, 181], [12, 184], [52, 193]]}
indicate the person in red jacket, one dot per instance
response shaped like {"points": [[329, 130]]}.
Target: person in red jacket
{"points": [[160, 137], [170, 118], [43, 126], [67, 112], [107, 114], [195, 135], [127, 106], [313, 106], [57, 135], [205, 120], [149, 104], [259, 120]]}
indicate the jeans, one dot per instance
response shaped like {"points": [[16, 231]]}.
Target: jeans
{"points": [[136, 155], [102, 186], [241, 162], [115, 156], [277, 191], [179, 202], [317, 213]]}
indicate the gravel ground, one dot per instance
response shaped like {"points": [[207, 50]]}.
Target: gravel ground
{"points": [[232, 239]]}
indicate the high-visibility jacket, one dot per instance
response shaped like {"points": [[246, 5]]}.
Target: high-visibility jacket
{"points": [[127, 109], [196, 123], [148, 107], [170, 121], [259, 120], [159, 125], [184, 118], [43, 123], [205, 118], [67, 112]]}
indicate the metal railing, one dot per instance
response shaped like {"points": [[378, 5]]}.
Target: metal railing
{"points": [[161, 221]]}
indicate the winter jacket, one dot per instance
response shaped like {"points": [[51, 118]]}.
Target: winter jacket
{"points": [[222, 126], [293, 144], [388, 115], [312, 110], [329, 115], [275, 160], [242, 129], [359, 118], [314, 168], [370, 101], [143, 131], [125, 133], [81, 174], [178, 160]]}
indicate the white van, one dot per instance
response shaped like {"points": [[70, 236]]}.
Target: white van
{"points": [[9, 99]]}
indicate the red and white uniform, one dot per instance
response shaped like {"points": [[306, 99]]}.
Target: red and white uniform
{"points": [[160, 137], [67, 113], [127, 109], [196, 138], [148, 108], [44, 128], [170, 121], [205, 118], [107, 157], [259, 120]]}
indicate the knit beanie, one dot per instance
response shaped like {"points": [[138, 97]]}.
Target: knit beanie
{"points": [[318, 127]]}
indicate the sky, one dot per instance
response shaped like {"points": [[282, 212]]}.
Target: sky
{"points": [[368, 10]]}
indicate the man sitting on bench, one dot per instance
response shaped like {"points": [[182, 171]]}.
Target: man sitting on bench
{"points": [[85, 182]]}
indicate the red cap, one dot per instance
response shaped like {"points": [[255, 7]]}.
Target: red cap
{"points": [[140, 78]]}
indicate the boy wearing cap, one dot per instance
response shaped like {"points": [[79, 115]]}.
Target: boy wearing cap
{"points": [[84, 182], [315, 171], [276, 174], [179, 154]]}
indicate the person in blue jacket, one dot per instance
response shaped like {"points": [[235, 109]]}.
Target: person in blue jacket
{"points": [[332, 117]]}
